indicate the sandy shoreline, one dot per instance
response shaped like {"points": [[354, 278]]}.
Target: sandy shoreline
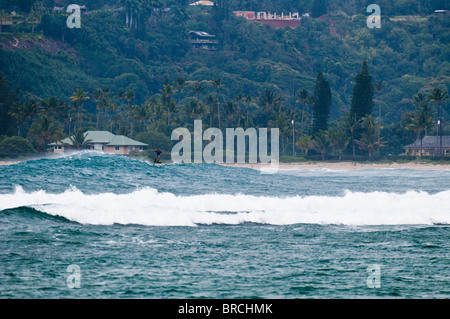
{"points": [[10, 162], [348, 166], [315, 165]]}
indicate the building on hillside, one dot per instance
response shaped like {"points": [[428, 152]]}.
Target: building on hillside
{"points": [[102, 141], [273, 19], [430, 146], [203, 3], [203, 40]]}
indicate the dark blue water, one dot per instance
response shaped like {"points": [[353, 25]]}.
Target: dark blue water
{"points": [[127, 229]]}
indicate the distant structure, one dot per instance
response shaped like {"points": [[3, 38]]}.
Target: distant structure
{"points": [[102, 141], [273, 19], [203, 40], [203, 3], [430, 146]]}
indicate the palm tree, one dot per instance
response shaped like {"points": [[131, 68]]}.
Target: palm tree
{"points": [[180, 84], [304, 143], [230, 109], [129, 96], [321, 143], [282, 123], [303, 98], [339, 140], [166, 98], [44, 131], [210, 101], [193, 110], [140, 114], [269, 100], [421, 120], [438, 96], [217, 83], [79, 140], [19, 113], [77, 99], [350, 123], [197, 89], [378, 86], [248, 100], [369, 136]]}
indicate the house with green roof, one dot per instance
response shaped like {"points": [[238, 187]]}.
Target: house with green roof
{"points": [[102, 141]]}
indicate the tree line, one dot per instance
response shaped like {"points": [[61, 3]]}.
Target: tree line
{"points": [[180, 102]]}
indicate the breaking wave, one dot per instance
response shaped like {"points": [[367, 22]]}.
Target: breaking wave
{"points": [[149, 207]]}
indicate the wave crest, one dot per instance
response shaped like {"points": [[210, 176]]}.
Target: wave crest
{"points": [[149, 207]]}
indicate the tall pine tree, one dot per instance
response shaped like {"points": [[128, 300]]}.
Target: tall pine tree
{"points": [[321, 104], [362, 96]]}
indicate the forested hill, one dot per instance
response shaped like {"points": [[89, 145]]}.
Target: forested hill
{"points": [[410, 53]]}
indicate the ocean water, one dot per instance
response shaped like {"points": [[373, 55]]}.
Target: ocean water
{"points": [[91, 225]]}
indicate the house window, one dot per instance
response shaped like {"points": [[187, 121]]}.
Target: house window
{"points": [[141, 148], [117, 148]]}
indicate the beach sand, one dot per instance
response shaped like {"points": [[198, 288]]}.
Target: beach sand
{"points": [[10, 162], [315, 165], [347, 166]]}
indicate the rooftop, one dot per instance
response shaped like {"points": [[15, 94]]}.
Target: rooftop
{"points": [[202, 3], [430, 142], [104, 137]]}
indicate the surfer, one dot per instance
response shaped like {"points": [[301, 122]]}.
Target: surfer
{"points": [[158, 154]]}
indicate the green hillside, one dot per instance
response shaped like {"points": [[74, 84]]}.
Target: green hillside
{"points": [[171, 83]]}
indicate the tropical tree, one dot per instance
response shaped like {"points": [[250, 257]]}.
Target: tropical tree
{"points": [[282, 123], [79, 140], [140, 114], [350, 123], [321, 143], [339, 140], [421, 121], [78, 97], [217, 83], [101, 96], [19, 113], [248, 101], [193, 110], [197, 89], [166, 98], [269, 100], [129, 96], [378, 86], [180, 84], [369, 136], [303, 99], [438, 96], [43, 131], [210, 102], [304, 143]]}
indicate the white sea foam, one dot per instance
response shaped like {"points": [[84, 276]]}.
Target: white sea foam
{"points": [[149, 207]]}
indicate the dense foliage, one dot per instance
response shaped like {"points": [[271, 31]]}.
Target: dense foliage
{"points": [[133, 63]]}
